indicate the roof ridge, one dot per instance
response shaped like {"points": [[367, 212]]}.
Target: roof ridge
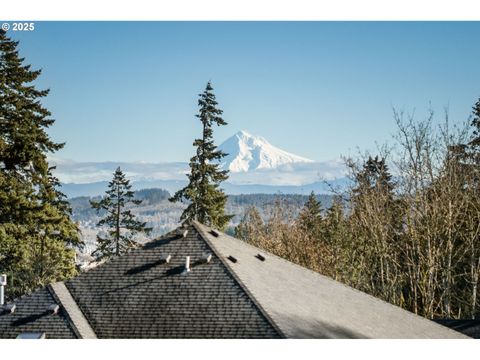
{"points": [[230, 313], [75, 316], [106, 262], [249, 293], [409, 313]]}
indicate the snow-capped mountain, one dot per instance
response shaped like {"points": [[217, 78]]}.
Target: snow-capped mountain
{"points": [[247, 152], [255, 165]]}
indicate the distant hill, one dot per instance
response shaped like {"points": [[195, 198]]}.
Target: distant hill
{"points": [[152, 196], [262, 200], [154, 201], [98, 188], [163, 216], [82, 210], [73, 190]]}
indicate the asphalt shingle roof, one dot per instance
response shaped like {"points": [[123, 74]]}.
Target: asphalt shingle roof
{"points": [[31, 315], [139, 296]]}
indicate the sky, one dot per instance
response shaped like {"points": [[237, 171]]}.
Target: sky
{"points": [[127, 91]]}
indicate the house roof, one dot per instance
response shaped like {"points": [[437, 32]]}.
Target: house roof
{"points": [[148, 293], [305, 304], [140, 295], [32, 314]]}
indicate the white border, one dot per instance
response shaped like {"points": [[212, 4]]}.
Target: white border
{"points": [[240, 10], [238, 349]]}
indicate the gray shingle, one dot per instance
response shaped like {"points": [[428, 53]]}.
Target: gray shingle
{"points": [[31, 315], [138, 295]]}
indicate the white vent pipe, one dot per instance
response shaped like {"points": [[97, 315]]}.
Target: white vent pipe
{"points": [[3, 283]]}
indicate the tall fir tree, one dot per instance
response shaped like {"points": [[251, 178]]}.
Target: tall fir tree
{"points": [[37, 235], [375, 189], [250, 226], [334, 219], [335, 232], [471, 151], [122, 224], [206, 200], [310, 217], [475, 140], [375, 175]]}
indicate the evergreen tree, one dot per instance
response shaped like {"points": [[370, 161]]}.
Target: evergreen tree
{"points": [[374, 195], [475, 140], [123, 227], [374, 176], [471, 151], [250, 226], [37, 235], [376, 225], [334, 219], [206, 201], [336, 233], [310, 216]]}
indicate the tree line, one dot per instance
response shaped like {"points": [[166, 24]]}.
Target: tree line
{"points": [[406, 229]]}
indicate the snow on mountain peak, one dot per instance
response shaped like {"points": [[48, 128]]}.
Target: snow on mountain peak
{"points": [[248, 152]]}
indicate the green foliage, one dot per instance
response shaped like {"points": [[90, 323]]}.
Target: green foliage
{"points": [[470, 152], [250, 225], [206, 201], [374, 176], [152, 196], [475, 139], [310, 216], [122, 225], [37, 236], [335, 232]]}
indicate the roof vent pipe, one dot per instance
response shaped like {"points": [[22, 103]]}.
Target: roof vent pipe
{"points": [[260, 257], [9, 308], [187, 264], [53, 309], [182, 232], [3, 283]]}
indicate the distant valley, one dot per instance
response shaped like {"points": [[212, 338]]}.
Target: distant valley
{"points": [[163, 216], [97, 188]]}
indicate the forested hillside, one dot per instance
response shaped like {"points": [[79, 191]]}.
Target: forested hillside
{"points": [[163, 216]]}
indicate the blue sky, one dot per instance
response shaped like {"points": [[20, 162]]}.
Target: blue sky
{"points": [[127, 91]]}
